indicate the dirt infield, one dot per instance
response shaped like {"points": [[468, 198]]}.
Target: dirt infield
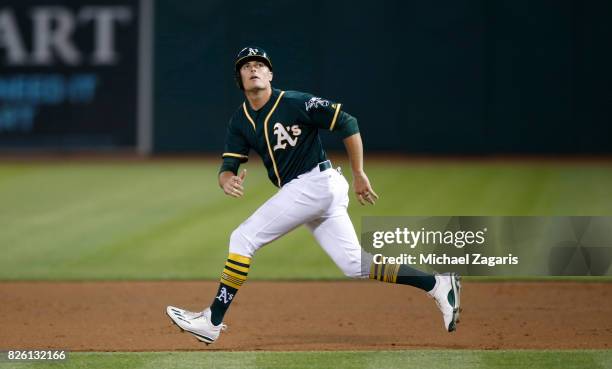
{"points": [[130, 316]]}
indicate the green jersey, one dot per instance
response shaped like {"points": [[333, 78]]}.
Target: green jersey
{"points": [[285, 133]]}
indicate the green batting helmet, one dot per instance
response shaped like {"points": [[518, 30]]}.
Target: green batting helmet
{"points": [[247, 54]]}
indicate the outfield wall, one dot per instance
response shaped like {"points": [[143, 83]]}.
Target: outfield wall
{"points": [[450, 77], [444, 77], [68, 74]]}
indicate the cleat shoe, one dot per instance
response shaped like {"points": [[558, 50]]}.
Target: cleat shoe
{"points": [[447, 294], [196, 323]]}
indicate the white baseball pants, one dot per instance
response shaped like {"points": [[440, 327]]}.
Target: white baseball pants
{"points": [[316, 199]]}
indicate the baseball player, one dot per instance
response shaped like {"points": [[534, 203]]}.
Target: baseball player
{"points": [[283, 128]]}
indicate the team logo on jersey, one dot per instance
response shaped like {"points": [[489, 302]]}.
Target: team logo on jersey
{"points": [[225, 297], [283, 137], [316, 102]]}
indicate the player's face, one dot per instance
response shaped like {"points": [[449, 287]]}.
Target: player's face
{"points": [[255, 75]]}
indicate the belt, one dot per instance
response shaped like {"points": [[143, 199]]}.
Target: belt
{"points": [[325, 165]]}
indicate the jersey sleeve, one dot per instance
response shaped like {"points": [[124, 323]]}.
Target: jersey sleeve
{"points": [[326, 114], [236, 150]]}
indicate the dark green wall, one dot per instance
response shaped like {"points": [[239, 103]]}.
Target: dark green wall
{"points": [[425, 77]]}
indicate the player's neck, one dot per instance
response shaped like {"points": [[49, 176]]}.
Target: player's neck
{"points": [[258, 98]]}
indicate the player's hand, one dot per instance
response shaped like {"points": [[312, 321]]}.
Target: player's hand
{"points": [[233, 185], [363, 189]]}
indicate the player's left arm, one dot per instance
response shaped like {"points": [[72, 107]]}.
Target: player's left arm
{"points": [[346, 126], [329, 115], [361, 183]]}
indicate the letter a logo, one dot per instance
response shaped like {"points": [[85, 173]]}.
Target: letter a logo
{"points": [[224, 297], [283, 135]]}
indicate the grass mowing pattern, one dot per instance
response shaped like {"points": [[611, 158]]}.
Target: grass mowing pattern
{"points": [[169, 220], [442, 359]]}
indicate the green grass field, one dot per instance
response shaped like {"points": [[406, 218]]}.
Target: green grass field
{"points": [[169, 220], [439, 359]]}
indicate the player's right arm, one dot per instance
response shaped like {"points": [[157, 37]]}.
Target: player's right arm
{"points": [[236, 152], [231, 184]]}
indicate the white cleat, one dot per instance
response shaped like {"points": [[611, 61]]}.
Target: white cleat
{"points": [[447, 293], [196, 323]]}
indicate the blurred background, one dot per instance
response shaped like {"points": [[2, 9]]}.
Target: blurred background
{"points": [[446, 77], [491, 87]]}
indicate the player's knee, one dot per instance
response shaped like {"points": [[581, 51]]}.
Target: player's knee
{"points": [[240, 244]]}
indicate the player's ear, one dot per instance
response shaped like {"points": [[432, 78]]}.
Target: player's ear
{"points": [[271, 76]]}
